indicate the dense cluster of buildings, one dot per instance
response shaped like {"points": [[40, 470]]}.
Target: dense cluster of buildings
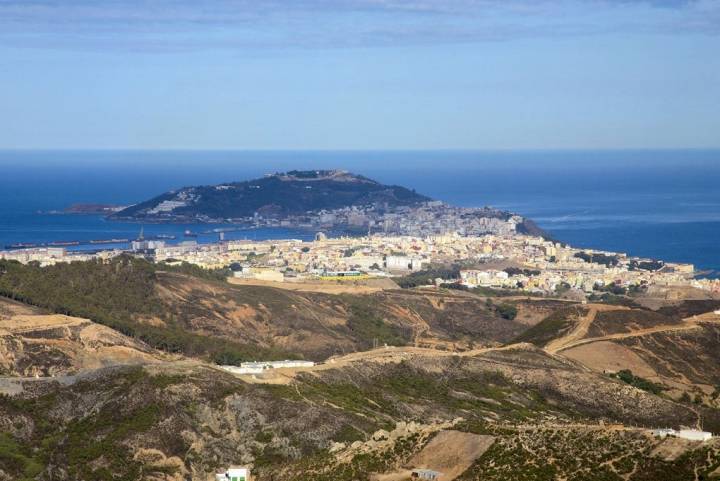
{"points": [[502, 261], [427, 218]]}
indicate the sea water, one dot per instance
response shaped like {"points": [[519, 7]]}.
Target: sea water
{"points": [[659, 204]]}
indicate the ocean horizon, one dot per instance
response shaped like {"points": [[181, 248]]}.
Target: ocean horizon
{"points": [[662, 204]]}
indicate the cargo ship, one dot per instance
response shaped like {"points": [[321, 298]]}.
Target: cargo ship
{"points": [[63, 243], [21, 245], [110, 241]]}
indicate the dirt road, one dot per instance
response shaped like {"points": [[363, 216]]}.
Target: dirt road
{"points": [[576, 338]]}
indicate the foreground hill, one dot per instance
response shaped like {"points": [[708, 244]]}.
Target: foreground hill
{"points": [[561, 391], [527, 416], [277, 195], [190, 312]]}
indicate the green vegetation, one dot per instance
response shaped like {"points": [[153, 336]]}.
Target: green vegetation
{"points": [[100, 436], [690, 308], [322, 467], [625, 320], [514, 271], [628, 377], [612, 288], [596, 258], [428, 276], [120, 294], [454, 286], [196, 271], [506, 311], [613, 299], [646, 265], [285, 195], [16, 458], [584, 455], [552, 327], [88, 430], [368, 325], [471, 395]]}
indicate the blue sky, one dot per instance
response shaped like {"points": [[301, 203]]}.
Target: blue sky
{"points": [[360, 74]]}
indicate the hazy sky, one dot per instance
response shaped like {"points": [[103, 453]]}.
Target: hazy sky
{"points": [[359, 74]]}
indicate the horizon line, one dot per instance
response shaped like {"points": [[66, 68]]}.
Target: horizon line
{"points": [[360, 150]]}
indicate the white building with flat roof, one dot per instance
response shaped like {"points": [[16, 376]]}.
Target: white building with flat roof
{"points": [[689, 434], [694, 435], [233, 474]]}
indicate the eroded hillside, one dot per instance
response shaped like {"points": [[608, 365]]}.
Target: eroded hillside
{"points": [[557, 390], [34, 343], [202, 316]]}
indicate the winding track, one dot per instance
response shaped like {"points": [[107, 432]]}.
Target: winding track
{"points": [[576, 337]]}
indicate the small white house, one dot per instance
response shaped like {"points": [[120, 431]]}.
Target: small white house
{"points": [[402, 263], [664, 432], [425, 474], [234, 474]]}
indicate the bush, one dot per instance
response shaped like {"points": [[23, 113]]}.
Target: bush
{"points": [[507, 311], [427, 276], [628, 377]]}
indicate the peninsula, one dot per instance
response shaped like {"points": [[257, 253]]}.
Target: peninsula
{"points": [[324, 200]]}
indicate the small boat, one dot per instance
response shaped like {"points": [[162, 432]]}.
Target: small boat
{"points": [[189, 233]]}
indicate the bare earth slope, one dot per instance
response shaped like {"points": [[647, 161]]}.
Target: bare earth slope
{"points": [[319, 325], [34, 343]]}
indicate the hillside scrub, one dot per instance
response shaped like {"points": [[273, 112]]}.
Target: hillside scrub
{"points": [[119, 294], [628, 377], [552, 327]]}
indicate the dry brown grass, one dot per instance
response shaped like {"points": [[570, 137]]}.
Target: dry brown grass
{"points": [[367, 286]]}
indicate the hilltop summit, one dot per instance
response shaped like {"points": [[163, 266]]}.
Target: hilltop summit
{"points": [[276, 195]]}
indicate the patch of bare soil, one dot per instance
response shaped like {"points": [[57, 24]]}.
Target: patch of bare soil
{"points": [[606, 356], [451, 453], [9, 308], [671, 448], [663, 295]]}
